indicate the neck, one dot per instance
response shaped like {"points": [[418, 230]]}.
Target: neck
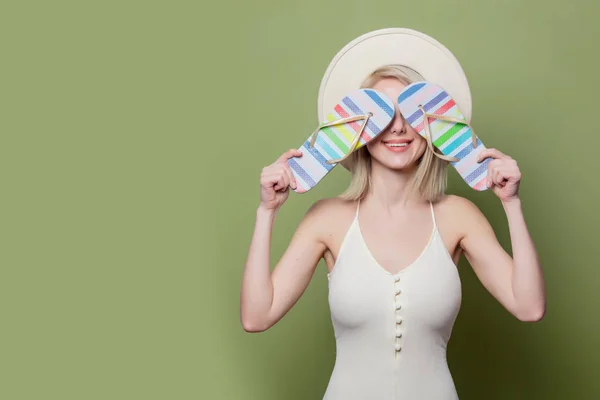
{"points": [[391, 188]]}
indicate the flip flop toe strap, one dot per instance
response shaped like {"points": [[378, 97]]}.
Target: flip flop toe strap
{"points": [[355, 140], [426, 117]]}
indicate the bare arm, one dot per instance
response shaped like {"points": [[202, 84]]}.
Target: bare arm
{"points": [[516, 282], [266, 297]]}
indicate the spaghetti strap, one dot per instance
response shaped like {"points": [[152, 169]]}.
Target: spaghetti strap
{"points": [[357, 208], [433, 215]]}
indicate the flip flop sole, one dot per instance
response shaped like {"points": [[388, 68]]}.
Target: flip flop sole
{"points": [[334, 142], [451, 138]]}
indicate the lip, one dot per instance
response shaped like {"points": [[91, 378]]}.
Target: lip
{"points": [[397, 141]]}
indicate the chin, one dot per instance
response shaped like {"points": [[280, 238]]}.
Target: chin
{"points": [[396, 163], [398, 157], [400, 165]]}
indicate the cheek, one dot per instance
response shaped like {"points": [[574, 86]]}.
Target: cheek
{"points": [[372, 145], [421, 146]]}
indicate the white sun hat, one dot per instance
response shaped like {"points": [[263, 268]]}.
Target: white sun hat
{"points": [[421, 57]]}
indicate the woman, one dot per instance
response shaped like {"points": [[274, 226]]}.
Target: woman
{"points": [[391, 244]]}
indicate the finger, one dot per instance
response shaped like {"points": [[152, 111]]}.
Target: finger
{"points": [[511, 173], [494, 164], [507, 167], [269, 170], [292, 179], [286, 180], [282, 183], [489, 180], [274, 169], [498, 178], [504, 176], [271, 178], [493, 167], [494, 177], [283, 180], [283, 172], [493, 153], [289, 154]]}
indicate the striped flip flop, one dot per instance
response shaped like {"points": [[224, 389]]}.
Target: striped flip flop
{"points": [[446, 129], [356, 120]]}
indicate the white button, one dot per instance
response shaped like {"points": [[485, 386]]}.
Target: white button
{"points": [[398, 319], [398, 347], [398, 291], [398, 332], [397, 279], [398, 306]]}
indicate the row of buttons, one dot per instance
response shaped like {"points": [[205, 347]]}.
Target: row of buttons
{"points": [[398, 307]]}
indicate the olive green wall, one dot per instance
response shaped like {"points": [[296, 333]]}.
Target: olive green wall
{"points": [[132, 138]]}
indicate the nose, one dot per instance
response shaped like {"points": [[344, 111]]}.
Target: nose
{"points": [[398, 125]]}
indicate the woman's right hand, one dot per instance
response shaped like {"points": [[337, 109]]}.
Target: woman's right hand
{"points": [[275, 181]]}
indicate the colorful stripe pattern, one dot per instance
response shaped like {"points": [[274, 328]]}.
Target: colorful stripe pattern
{"points": [[452, 139], [334, 142]]}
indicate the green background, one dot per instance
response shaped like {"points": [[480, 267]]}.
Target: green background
{"points": [[132, 139]]}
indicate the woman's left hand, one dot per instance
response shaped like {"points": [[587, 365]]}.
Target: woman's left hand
{"points": [[504, 175]]}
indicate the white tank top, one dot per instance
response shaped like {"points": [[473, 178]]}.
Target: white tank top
{"points": [[391, 331]]}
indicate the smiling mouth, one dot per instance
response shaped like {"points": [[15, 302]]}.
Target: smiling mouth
{"points": [[397, 145]]}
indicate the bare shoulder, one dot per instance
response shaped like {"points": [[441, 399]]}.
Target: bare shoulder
{"points": [[453, 203], [328, 216], [330, 210], [458, 212]]}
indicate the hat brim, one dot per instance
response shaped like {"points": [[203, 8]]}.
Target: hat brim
{"points": [[421, 56]]}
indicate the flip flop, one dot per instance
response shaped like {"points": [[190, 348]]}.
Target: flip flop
{"points": [[446, 129], [355, 121]]}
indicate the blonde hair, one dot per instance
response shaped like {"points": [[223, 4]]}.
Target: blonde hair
{"points": [[430, 178]]}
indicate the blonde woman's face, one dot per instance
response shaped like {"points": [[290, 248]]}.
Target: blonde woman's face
{"points": [[399, 146]]}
